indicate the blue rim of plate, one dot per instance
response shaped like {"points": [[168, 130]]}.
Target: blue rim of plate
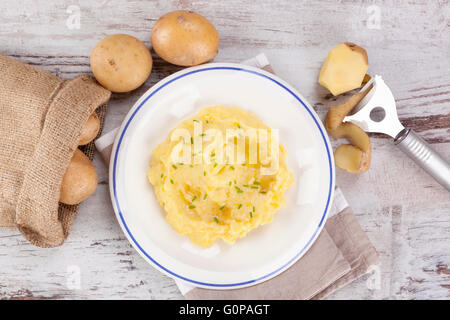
{"points": [[245, 283]]}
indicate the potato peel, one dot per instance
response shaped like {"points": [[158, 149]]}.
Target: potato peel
{"points": [[354, 158], [344, 68], [336, 114]]}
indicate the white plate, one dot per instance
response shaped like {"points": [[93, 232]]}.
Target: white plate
{"points": [[267, 250]]}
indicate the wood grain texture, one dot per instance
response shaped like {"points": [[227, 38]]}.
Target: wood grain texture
{"points": [[405, 213]]}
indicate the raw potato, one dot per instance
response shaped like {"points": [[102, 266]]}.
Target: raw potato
{"points": [[352, 159], [79, 181], [366, 79], [121, 63], [344, 69], [90, 129], [185, 38]]}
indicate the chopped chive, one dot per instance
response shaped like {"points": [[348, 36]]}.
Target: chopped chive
{"points": [[162, 175], [234, 181], [207, 121], [192, 140], [193, 199], [257, 182], [264, 192], [171, 181], [254, 187], [202, 134], [238, 190], [251, 215], [206, 195], [222, 207], [195, 120], [174, 166], [204, 173], [253, 208], [238, 126], [244, 164], [245, 185], [216, 220], [229, 183], [231, 167], [191, 206], [240, 206], [215, 165]]}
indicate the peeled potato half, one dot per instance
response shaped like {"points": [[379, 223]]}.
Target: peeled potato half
{"points": [[336, 114], [354, 134], [90, 129], [344, 69]]}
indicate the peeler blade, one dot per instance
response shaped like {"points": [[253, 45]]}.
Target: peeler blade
{"points": [[377, 100]]}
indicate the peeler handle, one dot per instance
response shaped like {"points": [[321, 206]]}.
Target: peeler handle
{"points": [[425, 156]]}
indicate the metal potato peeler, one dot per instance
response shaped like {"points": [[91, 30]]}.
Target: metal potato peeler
{"points": [[377, 112]]}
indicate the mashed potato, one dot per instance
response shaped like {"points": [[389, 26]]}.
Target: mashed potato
{"points": [[214, 199]]}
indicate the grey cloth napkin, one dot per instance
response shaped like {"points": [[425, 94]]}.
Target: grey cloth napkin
{"points": [[341, 254]]}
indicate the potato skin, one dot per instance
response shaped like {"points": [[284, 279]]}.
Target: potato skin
{"points": [[79, 181], [121, 63], [185, 38], [354, 158], [90, 129], [351, 159]]}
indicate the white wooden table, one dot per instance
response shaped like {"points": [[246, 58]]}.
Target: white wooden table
{"points": [[405, 213]]}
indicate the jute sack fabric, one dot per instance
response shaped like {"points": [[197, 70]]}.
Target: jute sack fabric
{"points": [[41, 118]]}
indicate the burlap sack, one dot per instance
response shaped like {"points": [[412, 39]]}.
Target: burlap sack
{"points": [[41, 117]]}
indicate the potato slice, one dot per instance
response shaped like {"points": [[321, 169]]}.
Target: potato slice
{"points": [[352, 159], [366, 79], [344, 69], [354, 134], [90, 130]]}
